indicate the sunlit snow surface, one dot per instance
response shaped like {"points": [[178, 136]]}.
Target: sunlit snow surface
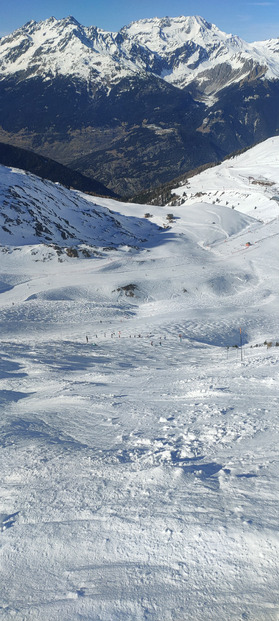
{"points": [[139, 470]]}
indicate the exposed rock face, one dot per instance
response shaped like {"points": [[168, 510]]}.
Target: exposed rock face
{"points": [[138, 107]]}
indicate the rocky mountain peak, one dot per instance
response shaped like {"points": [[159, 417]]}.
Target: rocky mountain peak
{"points": [[177, 49], [138, 107]]}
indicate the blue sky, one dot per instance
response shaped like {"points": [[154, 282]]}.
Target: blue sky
{"points": [[250, 20]]}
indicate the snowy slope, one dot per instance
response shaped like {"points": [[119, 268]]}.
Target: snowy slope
{"points": [[33, 209], [248, 182], [139, 446], [180, 50]]}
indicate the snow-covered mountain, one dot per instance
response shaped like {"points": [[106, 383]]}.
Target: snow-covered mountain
{"points": [[138, 107], [64, 47], [193, 51], [180, 50]]}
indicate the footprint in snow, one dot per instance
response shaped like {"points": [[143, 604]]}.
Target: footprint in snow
{"points": [[7, 520]]}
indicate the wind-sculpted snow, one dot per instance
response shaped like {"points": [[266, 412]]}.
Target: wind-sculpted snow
{"points": [[139, 407]]}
